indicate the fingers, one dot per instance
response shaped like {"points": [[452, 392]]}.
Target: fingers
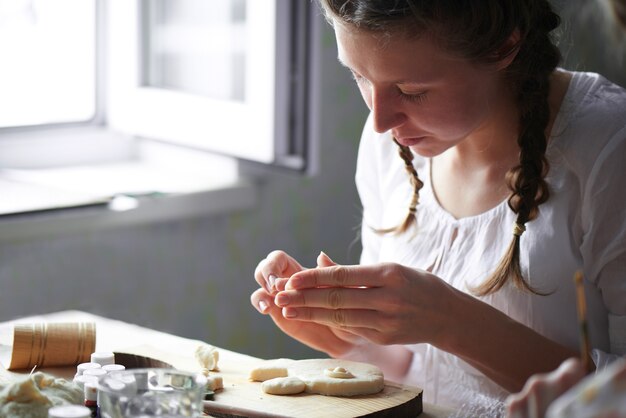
{"points": [[337, 276], [533, 400], [329, 298], [516, 406], [324, 260], [276, 265], [350, 319], [272, 274], [570, 372], [262, 301], [542, 389]]}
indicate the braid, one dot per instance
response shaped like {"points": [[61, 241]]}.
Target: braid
{"points": [[527, 180], [407, 157]]}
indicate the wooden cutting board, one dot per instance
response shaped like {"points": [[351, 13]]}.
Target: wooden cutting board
{"points": [[243, 398]]}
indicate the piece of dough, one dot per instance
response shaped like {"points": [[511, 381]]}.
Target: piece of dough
{"points": [[214, 383], [207, 356], [338, 372], [355, 378], [31, 396], [270, 369], [367, 380], [283, 386]]}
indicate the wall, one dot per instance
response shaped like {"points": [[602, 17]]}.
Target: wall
{"points": [[590, 39], [193, 277]]}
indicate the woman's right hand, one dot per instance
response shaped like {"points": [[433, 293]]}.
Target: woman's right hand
{"points": [[272, 274]]}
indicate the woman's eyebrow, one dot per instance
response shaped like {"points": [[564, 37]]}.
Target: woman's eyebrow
{"points": [[399, 81]]}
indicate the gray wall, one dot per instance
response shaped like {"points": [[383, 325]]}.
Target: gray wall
{"points": [[590, 39]]}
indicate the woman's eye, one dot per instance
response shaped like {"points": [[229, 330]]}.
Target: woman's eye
{"points": [[413, 97]]}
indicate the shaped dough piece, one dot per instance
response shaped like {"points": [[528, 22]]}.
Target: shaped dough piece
{"points": [[338, 372], [214, 383], [283, 386], [271, 369], [367, 380], [356, 378], [207, 356]]}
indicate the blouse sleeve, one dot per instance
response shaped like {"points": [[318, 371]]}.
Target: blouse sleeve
{"points": [[368, 187], [604, 241]]}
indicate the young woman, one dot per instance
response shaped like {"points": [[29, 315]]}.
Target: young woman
{"points": [[515, 182]]}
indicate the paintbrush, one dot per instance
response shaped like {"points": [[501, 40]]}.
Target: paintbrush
{"points": [[582, 321]]}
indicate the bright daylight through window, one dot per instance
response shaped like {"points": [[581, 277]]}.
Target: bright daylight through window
{"points": [[93, 81], [48, 61]]}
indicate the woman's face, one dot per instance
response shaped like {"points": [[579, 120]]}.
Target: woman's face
{"points": [[429, 99]]}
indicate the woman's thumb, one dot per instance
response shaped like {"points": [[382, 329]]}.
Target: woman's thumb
{"points": [[324, 261]]}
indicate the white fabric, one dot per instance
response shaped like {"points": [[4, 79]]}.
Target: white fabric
{"points": [[582, 225]]}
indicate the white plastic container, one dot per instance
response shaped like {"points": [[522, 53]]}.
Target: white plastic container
{"points": [[69, 411], [113, 367], [103, 358]]}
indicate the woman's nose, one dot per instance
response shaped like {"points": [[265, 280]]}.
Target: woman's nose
{"points": [[386, 113]]}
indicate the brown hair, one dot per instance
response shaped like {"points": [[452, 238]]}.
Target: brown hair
{"points": [[619, 10], [478, 31]]}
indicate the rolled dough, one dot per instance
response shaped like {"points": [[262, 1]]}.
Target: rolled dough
{"points": [[283, 386], [270, 369], [367, 379]]}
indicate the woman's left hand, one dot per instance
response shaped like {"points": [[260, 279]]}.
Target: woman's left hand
{"points": [[542, 389], [385, 303]]}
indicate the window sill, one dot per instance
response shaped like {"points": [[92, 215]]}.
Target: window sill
{"points": [[236, 196], [94, 179]]}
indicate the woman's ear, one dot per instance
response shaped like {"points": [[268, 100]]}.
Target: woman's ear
{"points": [[508, 51]]}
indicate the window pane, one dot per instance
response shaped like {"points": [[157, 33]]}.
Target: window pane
{"points": [[196, 46], [47, 50]]}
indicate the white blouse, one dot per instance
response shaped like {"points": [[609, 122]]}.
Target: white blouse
{"points": [[582, 225]]}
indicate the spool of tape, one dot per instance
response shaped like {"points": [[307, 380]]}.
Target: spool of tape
{"points": [[52, 344]]}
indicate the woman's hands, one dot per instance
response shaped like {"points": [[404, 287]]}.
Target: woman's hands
{"points": [[385, 303], [272, 274], [338, 309]]}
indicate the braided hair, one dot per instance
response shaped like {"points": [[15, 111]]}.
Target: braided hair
{"points": [[407, 156], [478, 31]]}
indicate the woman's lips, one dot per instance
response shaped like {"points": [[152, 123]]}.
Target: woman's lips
{"points": [[410, 142]]}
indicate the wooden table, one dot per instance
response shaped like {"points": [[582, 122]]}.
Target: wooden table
{"points": [[118, 336]]}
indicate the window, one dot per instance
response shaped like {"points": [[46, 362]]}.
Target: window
{"points": [[197, 47], [219, 76], [88, 80], [48, 52]]}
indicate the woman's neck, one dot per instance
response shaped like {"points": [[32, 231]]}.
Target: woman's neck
{"points": [[470, 178], [494, 144]]}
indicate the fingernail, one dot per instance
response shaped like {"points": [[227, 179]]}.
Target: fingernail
{"points": [[281, 299], [272, 280], [263, 306], [279, 284], [289, 313]]}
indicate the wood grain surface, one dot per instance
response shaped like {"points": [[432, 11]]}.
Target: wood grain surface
{"points": [[240, 397], [244, 398]]}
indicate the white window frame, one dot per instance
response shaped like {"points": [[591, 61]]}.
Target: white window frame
{"points": [[248, 130], [94, 143], [277, 111]]}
